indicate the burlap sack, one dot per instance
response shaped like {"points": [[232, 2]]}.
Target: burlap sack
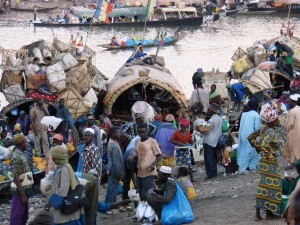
{"points": [[79, 78], [74, 102]]}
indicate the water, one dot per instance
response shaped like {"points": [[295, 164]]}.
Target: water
{"points": [[207, 47]]}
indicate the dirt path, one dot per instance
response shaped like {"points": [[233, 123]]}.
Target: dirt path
{"points": [[224, 201]]}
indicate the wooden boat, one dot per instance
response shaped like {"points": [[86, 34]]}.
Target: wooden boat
{"points": [[275, 10], [138, 81], [39, 9], [280, 6], [168, 41], [167, 22]]}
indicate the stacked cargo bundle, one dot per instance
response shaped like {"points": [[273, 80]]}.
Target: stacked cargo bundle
{"points": [[52, 72]]}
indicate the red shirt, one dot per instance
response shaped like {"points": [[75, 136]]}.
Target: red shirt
{"points": [[180, 137]]}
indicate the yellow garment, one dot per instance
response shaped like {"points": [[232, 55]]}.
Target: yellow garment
{"points": [[17, 127], [166, 161]]}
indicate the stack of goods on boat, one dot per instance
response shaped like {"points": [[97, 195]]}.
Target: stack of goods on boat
{"points": [[52, 72], [257, 72]]}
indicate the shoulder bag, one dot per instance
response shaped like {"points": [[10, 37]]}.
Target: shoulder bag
{"points": [[197, 108], [75, 200]]}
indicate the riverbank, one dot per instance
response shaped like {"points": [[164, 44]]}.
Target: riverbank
{"points": [[225, 200]]}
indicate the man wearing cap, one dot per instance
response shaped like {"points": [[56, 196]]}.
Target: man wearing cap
{"points": [[166, 192], [91, 157], [97, 134], [130, 130], [157, 122], [24, 121], [210, 141], [37, 113], [20, 191], [282, 64], [63, 113], [295, 84], [58, 139], [292, 148], [163, 136]]}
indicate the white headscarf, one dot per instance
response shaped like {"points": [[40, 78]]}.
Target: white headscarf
{"points": [[89, 130]]}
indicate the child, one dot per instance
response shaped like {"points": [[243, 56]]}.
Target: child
{"points": [[185, 183]]}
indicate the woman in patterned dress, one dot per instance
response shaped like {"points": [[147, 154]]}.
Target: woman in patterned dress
{"points": [[266, 141]]}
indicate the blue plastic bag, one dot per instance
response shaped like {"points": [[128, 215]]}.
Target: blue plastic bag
{"points": [[177, 211]]}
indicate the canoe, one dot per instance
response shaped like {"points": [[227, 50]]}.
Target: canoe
{"points": [[192, 21], [174, 39], [138, 81], [275, 10], [32, 10]]}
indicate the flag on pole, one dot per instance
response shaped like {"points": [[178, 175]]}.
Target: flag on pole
{"points": [[103, 8]]}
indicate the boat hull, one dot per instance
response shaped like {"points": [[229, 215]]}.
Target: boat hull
{"points": [[32, 10], [275, 10], [196, 21]]}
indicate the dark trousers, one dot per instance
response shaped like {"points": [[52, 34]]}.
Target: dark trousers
{"points": [[290, 69], [129, 175], [210, 160], [145, 184]]}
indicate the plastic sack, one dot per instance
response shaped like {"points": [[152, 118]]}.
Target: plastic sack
{"points": [[46, 184], [145, 213], [144, 108], [4, 153], [177, 211], [140, 211], [51, 122]]}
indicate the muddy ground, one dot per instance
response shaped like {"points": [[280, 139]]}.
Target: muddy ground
{"points": [[222, 201]]}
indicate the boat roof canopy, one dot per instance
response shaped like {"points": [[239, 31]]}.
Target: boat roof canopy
{"points": [[129, 12], [83, 12], [169, 10]]}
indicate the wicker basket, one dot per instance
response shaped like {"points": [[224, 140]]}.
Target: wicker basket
{"points": [[204, 129]]}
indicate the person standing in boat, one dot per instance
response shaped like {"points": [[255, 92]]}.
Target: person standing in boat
{"points": [[281, 48], [138, 54], [35, 12]]}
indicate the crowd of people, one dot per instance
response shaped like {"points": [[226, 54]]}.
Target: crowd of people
{"points": [[143, 154]]}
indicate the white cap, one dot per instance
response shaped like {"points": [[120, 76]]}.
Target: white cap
{"points": [[89, 130], [295, 97], [165, 169], [297, 73]]}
